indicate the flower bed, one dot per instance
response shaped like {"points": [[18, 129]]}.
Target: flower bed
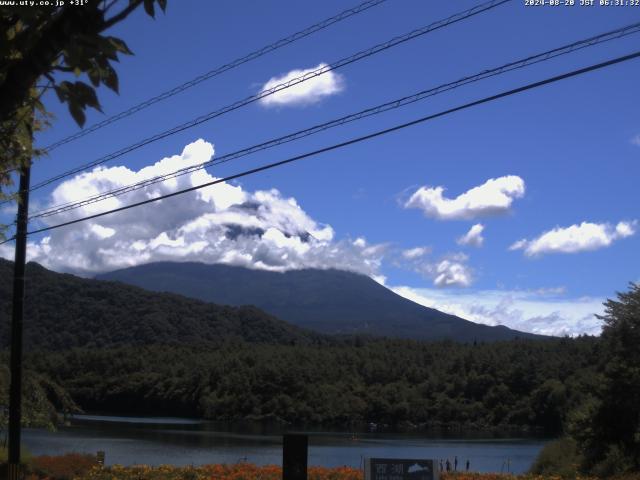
{"points": [[84, 467]]}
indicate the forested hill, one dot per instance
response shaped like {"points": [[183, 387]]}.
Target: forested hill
{"points": [[327, 301], [64, 311], [163, 354], [521, 383]]}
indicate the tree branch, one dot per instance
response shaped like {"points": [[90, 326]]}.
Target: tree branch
{"points": [[110, 5], [63, 69], [38, 60], [122, 15]]}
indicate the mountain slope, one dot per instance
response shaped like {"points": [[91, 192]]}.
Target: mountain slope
{"points": [[328, 301], [63, 311]]}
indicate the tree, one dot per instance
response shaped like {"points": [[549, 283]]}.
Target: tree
{"points": [[42, 400], [43, 48], [549, 404], [607, 428]]}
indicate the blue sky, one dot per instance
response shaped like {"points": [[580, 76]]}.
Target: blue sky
{"points": [[565, 158]]}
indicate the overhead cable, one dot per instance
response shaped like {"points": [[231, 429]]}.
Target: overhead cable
{"points": [[397, 103], [288, 84], [352, 141]]}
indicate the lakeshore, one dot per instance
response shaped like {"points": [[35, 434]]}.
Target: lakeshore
{"points": [[180, 442]]}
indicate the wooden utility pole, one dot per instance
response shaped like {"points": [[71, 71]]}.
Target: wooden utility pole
{"points": [[15, 392]]}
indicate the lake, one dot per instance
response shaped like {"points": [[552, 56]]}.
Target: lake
{"points": [[179, 441]]}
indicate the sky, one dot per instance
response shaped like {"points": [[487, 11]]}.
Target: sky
{"points": [[521, 212]]}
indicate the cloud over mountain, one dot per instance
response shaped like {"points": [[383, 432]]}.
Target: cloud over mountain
{"points": [[541, 311], [223, 223]]}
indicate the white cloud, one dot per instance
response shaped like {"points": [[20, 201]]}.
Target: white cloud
{"points": [[223, 223], [473, 237], [575, 238], [449, 271], [381, 279], [360, 242], [550, 291], [102, 232], [635, 140], [413, 253], [541, 311], [494, 197], [326, 83]]}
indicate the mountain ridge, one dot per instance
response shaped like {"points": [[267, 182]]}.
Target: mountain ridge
{"points": [[64, 311], [328, 301]]}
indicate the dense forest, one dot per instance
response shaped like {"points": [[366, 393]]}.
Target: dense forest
{"points": [[64, 311], [523, 384]]}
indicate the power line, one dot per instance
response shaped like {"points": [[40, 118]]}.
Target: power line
{"points": [[213, 73], [378, 133], [265, 93], [220, 70], [533, 59]]}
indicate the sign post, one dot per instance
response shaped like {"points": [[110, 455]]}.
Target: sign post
{"points": [[294, 457], [400, 469]]}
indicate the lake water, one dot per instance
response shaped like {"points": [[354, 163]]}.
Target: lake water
{"points": [[177, 441]]}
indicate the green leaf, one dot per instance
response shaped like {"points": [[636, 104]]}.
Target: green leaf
{"points": [[94, 75], [39, 106], [163, 5], [120, 45], [111, 54], [110, 78], [102, 62], [86, 95], [77, 113], [62, 91], [60, 94], [149, 8], [106, 48]]}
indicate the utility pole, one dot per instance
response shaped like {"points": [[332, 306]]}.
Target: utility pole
{"points": [[15, 392]]}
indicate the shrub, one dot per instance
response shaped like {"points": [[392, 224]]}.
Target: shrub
{"points": [[558, 458], [62, 467]]}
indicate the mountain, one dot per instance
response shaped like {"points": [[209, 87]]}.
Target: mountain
{"points": [[64, 311], [327, 301]]}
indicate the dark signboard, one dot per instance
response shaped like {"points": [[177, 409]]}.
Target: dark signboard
{"points": [[400, 469]]}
